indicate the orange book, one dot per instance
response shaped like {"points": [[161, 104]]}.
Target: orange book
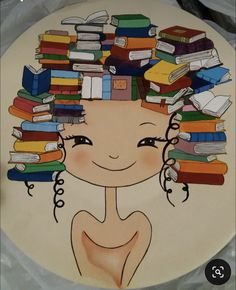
{"points": [[35, 157], [73, 38], [162, 108], [67, 102], [136, 43], [32, 117], [214, 167], [202, 126], [53, 61]]}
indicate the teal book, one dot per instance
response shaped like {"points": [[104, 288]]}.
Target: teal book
{"points": [[166, 56], [181, 155], [41, 167], [130, 21], [192, 116], [43, 98], [67, 97]]}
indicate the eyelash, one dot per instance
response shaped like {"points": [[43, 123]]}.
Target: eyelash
{"points": [[149, 141], [79, 140]]}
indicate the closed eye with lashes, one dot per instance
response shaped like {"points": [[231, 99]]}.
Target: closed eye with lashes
{"points": [[79, 140], [149, 141]]}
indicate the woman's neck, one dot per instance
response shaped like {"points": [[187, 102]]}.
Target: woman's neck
{"points": [[111, 211]]}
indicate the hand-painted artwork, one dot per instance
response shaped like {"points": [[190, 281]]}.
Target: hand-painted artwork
{"points": [[114, 109]]}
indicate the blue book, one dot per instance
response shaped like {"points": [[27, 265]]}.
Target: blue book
{"points": [[106, 47], [152, 62], [65, 74], [141, 32], [42, 126], [69, 107], [204, 136], [106, 87], [44, 176], [128, 70], [36, 82], [215, 75], [200, 85]]}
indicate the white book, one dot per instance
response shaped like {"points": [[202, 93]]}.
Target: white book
{"points": [[140, 54], [81, 55], [88, 67], [89, 28], [166, 47], [88, 36], [195, 56], [96, 88], [99, 17], [90, 45], [210, 104], [214, 60], [86, 88]]}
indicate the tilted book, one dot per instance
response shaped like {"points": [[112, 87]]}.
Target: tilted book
{"points": [[24, 135], [130, 21], [33, 157], [32, 117], [30, 106], [168, 98], [210, 104], [128, 54], [45, 176], [35, 81], [181, 83], [192, 116], [35, 146], [182, 34], [216, 75], [164, 109], [41, 167], [43, 126], [180, 48]]}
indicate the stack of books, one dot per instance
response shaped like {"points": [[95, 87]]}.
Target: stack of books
{"points": [[53, 50], [87, 51], [107, 46], [36, 149], [134, 41]]}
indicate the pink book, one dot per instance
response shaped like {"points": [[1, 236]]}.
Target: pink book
{"points": [[51, 50], [121, 88], [57, 32], [189, 108]]}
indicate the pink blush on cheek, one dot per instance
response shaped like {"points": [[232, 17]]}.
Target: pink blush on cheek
{"points": [[150, 159], [79, 159]]}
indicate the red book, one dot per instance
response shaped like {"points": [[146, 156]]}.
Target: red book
{"points": [[47, 44], [197, 178], [182, 34], [61, 92], [110, 35], [57, 66], [130, 54], [52, 50], [19, 133], [181, 83], [30, 106], [65, 88]]}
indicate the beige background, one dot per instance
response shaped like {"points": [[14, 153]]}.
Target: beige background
{"points": [[184, 237]]}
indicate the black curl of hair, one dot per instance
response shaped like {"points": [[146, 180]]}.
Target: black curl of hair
{"points": [[164, 178]]}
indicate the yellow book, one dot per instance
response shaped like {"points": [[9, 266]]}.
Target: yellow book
{"points": [[103, 59], [55, 38], [35, 146], [166, 73], [106, 53], [65, 81]]}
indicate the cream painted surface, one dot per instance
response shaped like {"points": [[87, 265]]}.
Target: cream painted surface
{"points": [[183, 237]]}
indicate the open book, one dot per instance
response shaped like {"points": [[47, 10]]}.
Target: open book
{"points": [[210, 104], [99, 17], [213, 61]]}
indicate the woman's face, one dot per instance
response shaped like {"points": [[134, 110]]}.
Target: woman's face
{"points": [[117, 145]]}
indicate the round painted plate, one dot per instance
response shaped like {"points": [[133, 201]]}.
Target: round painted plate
{"points": [[135, 238]]}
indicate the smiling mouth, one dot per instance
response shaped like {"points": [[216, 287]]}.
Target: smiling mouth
{"points": [[114, 169]]}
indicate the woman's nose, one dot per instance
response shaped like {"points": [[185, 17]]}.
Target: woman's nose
{"points": [[114, 156]]}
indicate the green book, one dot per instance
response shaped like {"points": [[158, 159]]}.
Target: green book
{"points": [[134, 84], [51, 56], [166, 56], [168, 95], [130, 21], [42, 98], [170, 98], [68, 97], [178, 154], [46, 166], [192, 116]]}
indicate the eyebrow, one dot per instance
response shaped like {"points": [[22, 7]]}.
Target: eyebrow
{"points": [[147, 123]]}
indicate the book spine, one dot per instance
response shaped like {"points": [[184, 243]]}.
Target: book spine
{"points": [[166, 57], [207, 137], [133, 23], [174, 37], [44, 127], [15, 175], [177, 154], [106, 87]]}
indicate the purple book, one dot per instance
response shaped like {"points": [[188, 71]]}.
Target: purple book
{"points": [[66, 112], [201, 148], [179, 48]]}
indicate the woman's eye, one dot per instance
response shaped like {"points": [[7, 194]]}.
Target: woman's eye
{"points": [[148, 141], [79, 140]]}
